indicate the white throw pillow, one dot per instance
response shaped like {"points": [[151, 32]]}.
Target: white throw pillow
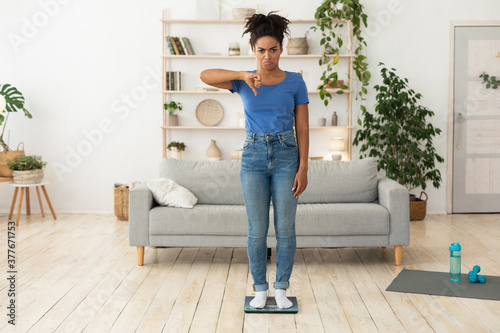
{"points": [[168, 193]]}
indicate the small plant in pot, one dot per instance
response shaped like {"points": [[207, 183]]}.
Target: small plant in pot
{"points": [[172, 107], [399, 136], [176, 149], [27, 169]]}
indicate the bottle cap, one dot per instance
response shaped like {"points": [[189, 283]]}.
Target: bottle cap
{"points": [[455, 247]]}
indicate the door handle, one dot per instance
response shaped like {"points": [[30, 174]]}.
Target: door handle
{"points": [[460, 120]]}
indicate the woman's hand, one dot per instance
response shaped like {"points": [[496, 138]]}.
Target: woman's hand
{"points": [[253, 81], [300, 182]]}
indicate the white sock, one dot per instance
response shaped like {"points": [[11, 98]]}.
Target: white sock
{"points": [[281, 300], [259, 300]]}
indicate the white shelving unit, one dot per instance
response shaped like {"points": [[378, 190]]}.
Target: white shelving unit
{"points": [[166, 58]]}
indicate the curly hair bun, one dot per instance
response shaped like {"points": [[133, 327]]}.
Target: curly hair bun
{"points": [[260, 25]]}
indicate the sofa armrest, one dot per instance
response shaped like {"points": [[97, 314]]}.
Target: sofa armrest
{"points": [[395, 197], [140, 203]]}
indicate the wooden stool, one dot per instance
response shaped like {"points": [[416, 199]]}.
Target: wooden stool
{"points": [[28, 210]]}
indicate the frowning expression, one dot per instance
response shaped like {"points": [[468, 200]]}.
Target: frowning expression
{"points": [[268, 50]]}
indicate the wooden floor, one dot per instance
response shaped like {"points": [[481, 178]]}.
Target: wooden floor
{"points": [[78, 274]]}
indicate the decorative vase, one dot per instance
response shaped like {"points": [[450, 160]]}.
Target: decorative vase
{"points": [[175, 153], [334, 119], [213, 152], [172, 120], [28, 176], [321, 121]]}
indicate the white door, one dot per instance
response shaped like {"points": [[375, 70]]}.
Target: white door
{"points": [[476, 137]]}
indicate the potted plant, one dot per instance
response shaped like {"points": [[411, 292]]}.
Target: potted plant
{"points": [[399, 136], [172, 107], [176, 149], [330, 18], [27, 169]]}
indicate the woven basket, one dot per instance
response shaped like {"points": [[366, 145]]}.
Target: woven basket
{"points": [[242, 13], [28, 176], [298, 45], [121, 202], [418, 208], [9, 155]]}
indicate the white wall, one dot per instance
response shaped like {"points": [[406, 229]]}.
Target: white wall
{"points": [[90, 73]]}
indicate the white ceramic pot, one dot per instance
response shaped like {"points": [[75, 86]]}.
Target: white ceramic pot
{"points": [[175, 153], [28, 176]]}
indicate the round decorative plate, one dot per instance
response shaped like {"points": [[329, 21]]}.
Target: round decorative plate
{"points": [[209, 112]]}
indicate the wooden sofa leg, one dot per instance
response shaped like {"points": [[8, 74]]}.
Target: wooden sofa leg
{"points": [[140, 255], [398, 252]]}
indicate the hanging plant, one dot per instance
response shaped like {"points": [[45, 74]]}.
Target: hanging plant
{"points": [[491, 81], [330, 19]]}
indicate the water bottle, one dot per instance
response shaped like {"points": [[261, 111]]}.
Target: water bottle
{"points": [[455, 262]]}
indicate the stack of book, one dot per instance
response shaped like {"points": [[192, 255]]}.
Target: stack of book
{"points": [[173, 80], [179, 46]]}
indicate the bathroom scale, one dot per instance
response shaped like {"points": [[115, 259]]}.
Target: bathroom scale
{"points": [[271, 306]]}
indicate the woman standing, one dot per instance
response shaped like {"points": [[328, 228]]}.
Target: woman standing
{"points": [[274, 160]]}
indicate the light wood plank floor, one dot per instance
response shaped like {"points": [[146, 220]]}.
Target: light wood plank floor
{"points": [[78, 274]]}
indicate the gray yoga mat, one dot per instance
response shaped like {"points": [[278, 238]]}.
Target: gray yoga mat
{"points": [[438, 283]]}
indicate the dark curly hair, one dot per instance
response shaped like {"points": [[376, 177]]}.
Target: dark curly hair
{"points": [[260, 25]]}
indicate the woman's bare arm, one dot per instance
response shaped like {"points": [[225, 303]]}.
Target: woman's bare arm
{"points": [[302, 130], [221, 78]]}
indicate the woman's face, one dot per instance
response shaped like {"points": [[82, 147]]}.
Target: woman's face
{"points": [[268, 51]]}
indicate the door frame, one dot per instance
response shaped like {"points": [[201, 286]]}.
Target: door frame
{"points": [[451, 98]]}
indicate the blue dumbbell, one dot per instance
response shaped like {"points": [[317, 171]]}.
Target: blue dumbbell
{"points": [[473, 277]]}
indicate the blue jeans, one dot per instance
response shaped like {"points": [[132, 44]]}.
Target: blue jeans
{"points": [[268, 168]]}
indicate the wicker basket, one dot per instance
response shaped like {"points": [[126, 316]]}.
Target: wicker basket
{"points": [[298, 45], [418, 208], [121, 202], [242, 13], [9, 155]]}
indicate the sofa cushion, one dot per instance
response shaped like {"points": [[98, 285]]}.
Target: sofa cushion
{"points": [[216, 183], [168, 193], [347, 219], [312, 220], [201, 220], [338, 182]]}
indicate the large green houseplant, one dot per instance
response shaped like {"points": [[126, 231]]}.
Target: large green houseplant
{"points": [[399, 135], [330, 17], [11, 100]]}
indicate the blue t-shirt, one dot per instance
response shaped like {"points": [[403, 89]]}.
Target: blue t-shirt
{"points": [[272, 110]]}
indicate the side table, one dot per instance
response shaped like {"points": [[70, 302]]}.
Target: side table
{"points": [[26, 188]]}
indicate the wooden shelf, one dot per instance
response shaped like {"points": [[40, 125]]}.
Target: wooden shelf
{"points": [[284, 56], [195, 21], [242, 128], [201, 128], [178, 60], [6, 179], [227, 92]]}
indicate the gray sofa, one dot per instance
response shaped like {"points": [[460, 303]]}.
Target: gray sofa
{"points": [[344, 205]]}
